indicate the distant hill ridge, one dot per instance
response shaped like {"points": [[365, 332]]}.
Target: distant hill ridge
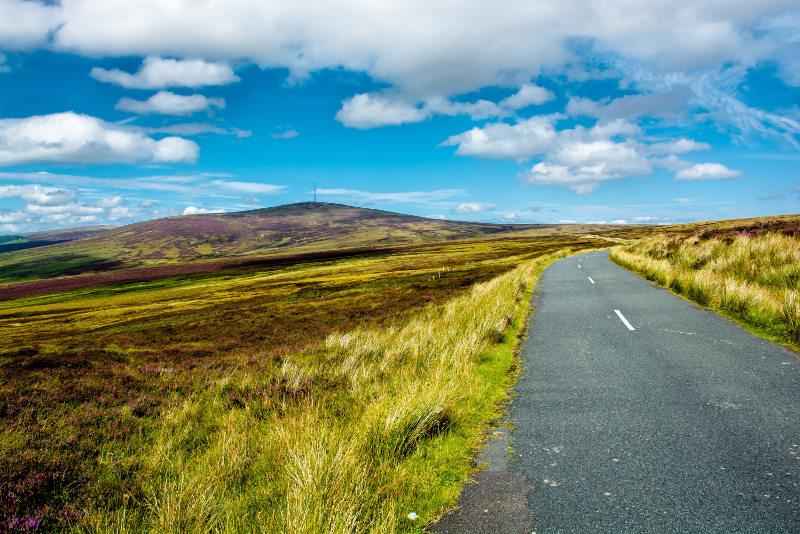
{"points": [[308, 227]]}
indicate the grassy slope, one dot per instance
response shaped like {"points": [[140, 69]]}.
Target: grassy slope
{"points": [[749, 273], [743, 224], [289, 229]]}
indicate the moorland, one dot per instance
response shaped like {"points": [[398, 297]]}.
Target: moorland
{"points": [[321, 369]]}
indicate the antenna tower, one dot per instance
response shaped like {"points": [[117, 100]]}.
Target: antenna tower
{"points": [[315, 192]]}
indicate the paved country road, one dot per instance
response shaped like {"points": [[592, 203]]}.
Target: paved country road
{"points": [[660, 418]]}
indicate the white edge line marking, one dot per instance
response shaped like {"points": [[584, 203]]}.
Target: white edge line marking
{"points": [[624, 320], [590, 279]]}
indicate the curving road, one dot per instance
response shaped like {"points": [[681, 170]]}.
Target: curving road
{"points": [[639, 412]]}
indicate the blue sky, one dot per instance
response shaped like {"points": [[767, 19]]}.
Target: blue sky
{"points": [[115, 112]]}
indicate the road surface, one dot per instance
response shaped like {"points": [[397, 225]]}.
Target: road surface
{"points": [[639, 412]]}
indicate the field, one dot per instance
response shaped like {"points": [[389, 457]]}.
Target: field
{"points": [[261, 398]]}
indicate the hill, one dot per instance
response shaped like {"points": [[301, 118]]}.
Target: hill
{"points": [[291, 229], [12, 242]]}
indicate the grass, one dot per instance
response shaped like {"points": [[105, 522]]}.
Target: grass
{"points": [[749, 274], [331, 396]]}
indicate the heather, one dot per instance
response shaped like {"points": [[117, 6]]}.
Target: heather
{"points": [[228, 401], [750, 273]]}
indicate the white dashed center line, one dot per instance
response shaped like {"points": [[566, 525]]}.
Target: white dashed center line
{"points": [[590, 279], [624, 320]]}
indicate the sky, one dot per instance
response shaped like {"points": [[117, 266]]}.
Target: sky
{"points": [[115, 112]]}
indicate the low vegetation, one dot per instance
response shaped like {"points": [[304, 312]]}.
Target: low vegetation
{"points": [[751, 273], [328, 396]]}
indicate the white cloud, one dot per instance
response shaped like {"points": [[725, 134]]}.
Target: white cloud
{"points": [[408, 197], [251, 200], [288, 134], [528, 95], [157, 73], [685, 200], [579, 158], [679, 146], [499, 140], [249, 187], [36, 194], [192, 210], [708, 171], [471, 207], [371, 110], [69, 137], [567, 221], [425, 47], [437, 217], [427, 51], [26, 25], [4, 68], [48, 206], [770, 196], [583, 166], [167, 103]]}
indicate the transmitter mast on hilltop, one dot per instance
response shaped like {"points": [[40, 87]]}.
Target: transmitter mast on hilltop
{"points": [[315, 192]]}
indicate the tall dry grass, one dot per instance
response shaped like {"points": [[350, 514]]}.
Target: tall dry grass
{"points": [[393, 435], [755, 278]]}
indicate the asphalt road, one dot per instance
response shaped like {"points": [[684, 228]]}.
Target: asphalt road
{"points": [[684, 423]]}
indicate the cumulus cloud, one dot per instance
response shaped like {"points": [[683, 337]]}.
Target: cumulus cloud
{"points": [[579, 158], [499, 140], [167, 103], [528, 95], [70, 137], [470, 207], [425, 47], [371, 110], [708, 171], [406, 197], [36, 194], [770, 196], [193, 210], [157, 73], [567, 221], [251, 200], [288, 134]]}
